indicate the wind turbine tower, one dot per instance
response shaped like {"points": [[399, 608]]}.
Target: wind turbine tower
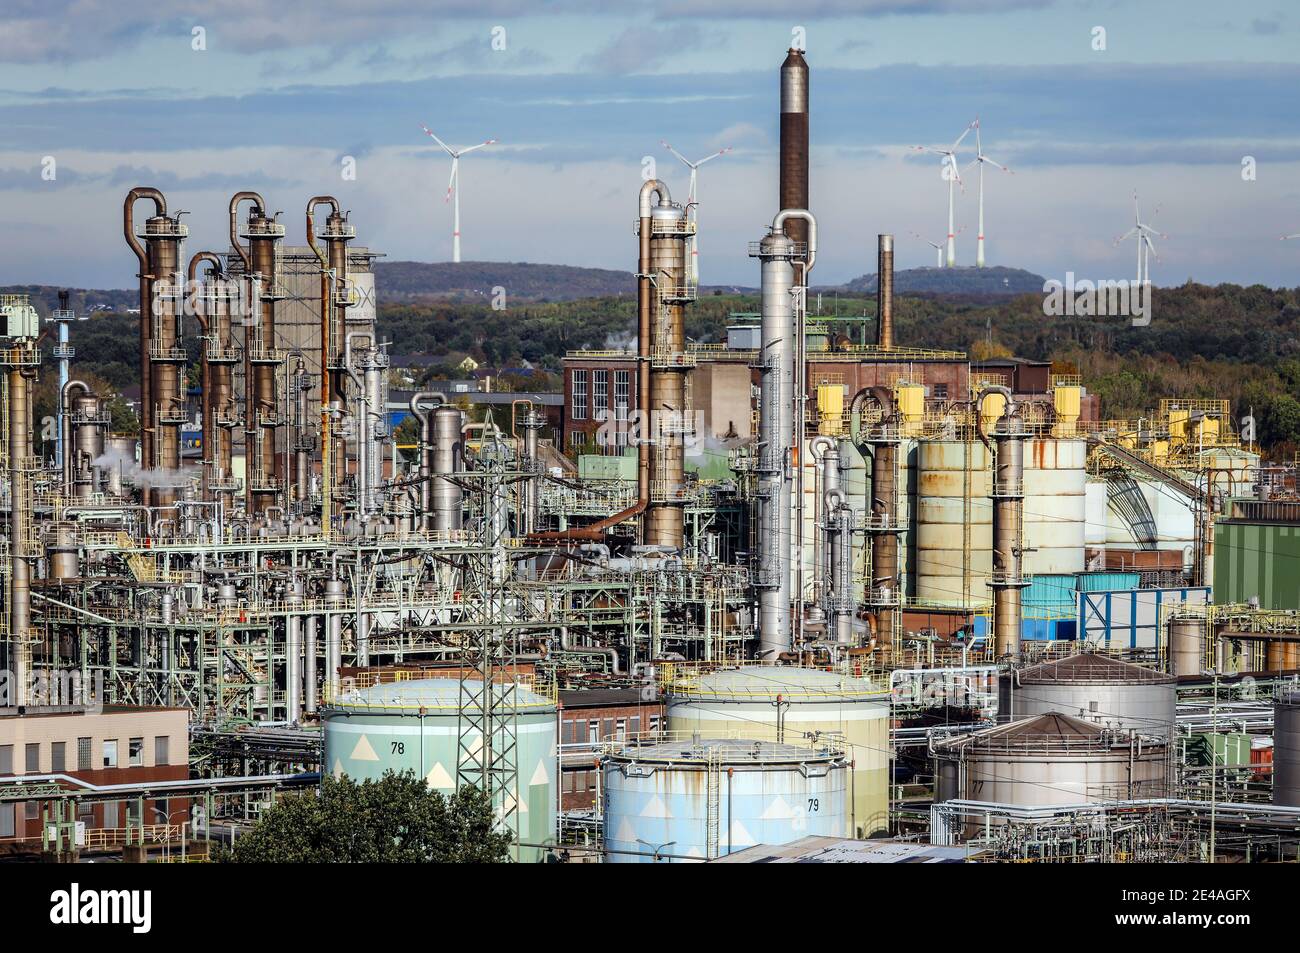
{"points": [[453, 192], [1145, 247], [981, 159], [953, 175], [692, 202]]}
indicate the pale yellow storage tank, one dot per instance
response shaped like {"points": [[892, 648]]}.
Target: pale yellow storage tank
{"points": [[911, 405], [743, 702], [830, 408], [1068, 401]]}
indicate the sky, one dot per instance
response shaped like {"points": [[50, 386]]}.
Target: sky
{"points": [[1190, 104]]}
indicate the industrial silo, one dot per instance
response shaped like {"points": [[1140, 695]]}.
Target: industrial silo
{"points": [[413, 726], [954, 522], [1055, 505], [1286, 750], [1049, 759], [706, 797], [1097, 688], [790, 704]]}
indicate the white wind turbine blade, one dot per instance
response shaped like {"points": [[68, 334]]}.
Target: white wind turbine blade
{"points": [[687, 162], [965, 133], [984, 158], [1127, 235], [720, 152], [1287, 238], [451, 183], [445, 147], [479, 146]]}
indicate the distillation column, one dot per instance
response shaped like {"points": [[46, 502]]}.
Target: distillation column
{"points": [[665, 412], [883, 524], [794, 141], [1008, 499]]}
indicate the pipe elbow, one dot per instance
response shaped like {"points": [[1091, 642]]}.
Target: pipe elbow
{"points": [[653, 187], [783, 216]]}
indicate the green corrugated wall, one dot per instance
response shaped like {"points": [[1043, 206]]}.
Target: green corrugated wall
{"points": [[1257, 559]]}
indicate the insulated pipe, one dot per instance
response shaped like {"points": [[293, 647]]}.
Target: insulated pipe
{"points": [[448, 450], [426, 451], [1008, 515], [65, 409], [20, 598], [885, 291], [146, 316], [208, 428]]}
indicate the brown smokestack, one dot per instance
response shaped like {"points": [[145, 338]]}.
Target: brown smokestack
{"points": [[885, 291], [794, 141]]}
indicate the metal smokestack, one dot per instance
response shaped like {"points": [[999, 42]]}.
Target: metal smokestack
{"points": [[885, 291], [794, 141]]}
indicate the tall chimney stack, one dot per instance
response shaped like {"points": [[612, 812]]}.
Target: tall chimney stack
{"points": [[794, 141], [885, 291]]}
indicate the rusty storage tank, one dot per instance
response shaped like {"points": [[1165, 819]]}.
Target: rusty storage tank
{"points": [[785, 703], [1286, 750], [1096, 688], [1049, 759], [954, 522], [707, 797]]}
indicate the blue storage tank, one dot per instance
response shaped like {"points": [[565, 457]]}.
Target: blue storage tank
{"points": [[709, 797]]}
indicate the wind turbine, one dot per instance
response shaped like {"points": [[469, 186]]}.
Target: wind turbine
{"points": [[937, 246], [1287, 238], [691, 202], [1145, 247], [953, 175], [980, 160], [452, 191]]}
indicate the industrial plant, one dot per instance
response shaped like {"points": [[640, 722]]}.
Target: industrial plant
{"points": [[783, 595]]}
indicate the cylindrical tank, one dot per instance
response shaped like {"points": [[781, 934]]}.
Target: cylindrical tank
{"points": [[708, 797], [1050, 759], [447, 422], [1099, 689], [1186, 646], [1286, 750], [1055, 505], [788, 704], [954, 522], [413, 726]]}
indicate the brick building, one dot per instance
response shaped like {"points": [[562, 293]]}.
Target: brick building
{"points": [[587, 718]]}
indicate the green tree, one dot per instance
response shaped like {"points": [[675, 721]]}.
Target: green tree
{"points": [[397, 819]]}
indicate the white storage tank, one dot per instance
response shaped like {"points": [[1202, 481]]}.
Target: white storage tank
{"points": [[783, 703], [1106, 691], [707, 797], [1056, 508]]}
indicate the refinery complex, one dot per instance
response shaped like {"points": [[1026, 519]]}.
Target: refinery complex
{"points": [[782, 597]]}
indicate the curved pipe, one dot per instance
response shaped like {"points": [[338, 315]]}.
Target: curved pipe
{"points": [[1012, 407], [778, 225], [146, 309], [67, 430], [235, 201]]}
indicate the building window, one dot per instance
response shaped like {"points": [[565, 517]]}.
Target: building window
{"points": [[622, 393], [652, 723], [161, 755], [620, 729], [577, 439], [110, 754], [579, 405], [600, 393], [941, 391], [7, 820], [135, 752], [34, 759], [59, 757], [593, 732], [110, 814], [33, 810], [6, 759], [84, 762]]}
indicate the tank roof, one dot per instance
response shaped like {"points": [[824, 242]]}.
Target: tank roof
{"points": [[733, 752], [431, 693], [1051, 732], [1092, 668], [766, 682]]}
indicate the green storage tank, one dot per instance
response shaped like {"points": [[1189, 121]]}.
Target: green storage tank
{"points": [[413, 726]]}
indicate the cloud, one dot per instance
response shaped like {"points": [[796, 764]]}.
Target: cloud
{"points": [[642, 49]]}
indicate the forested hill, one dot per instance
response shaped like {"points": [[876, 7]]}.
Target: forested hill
{"points": [[474, 281]]}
